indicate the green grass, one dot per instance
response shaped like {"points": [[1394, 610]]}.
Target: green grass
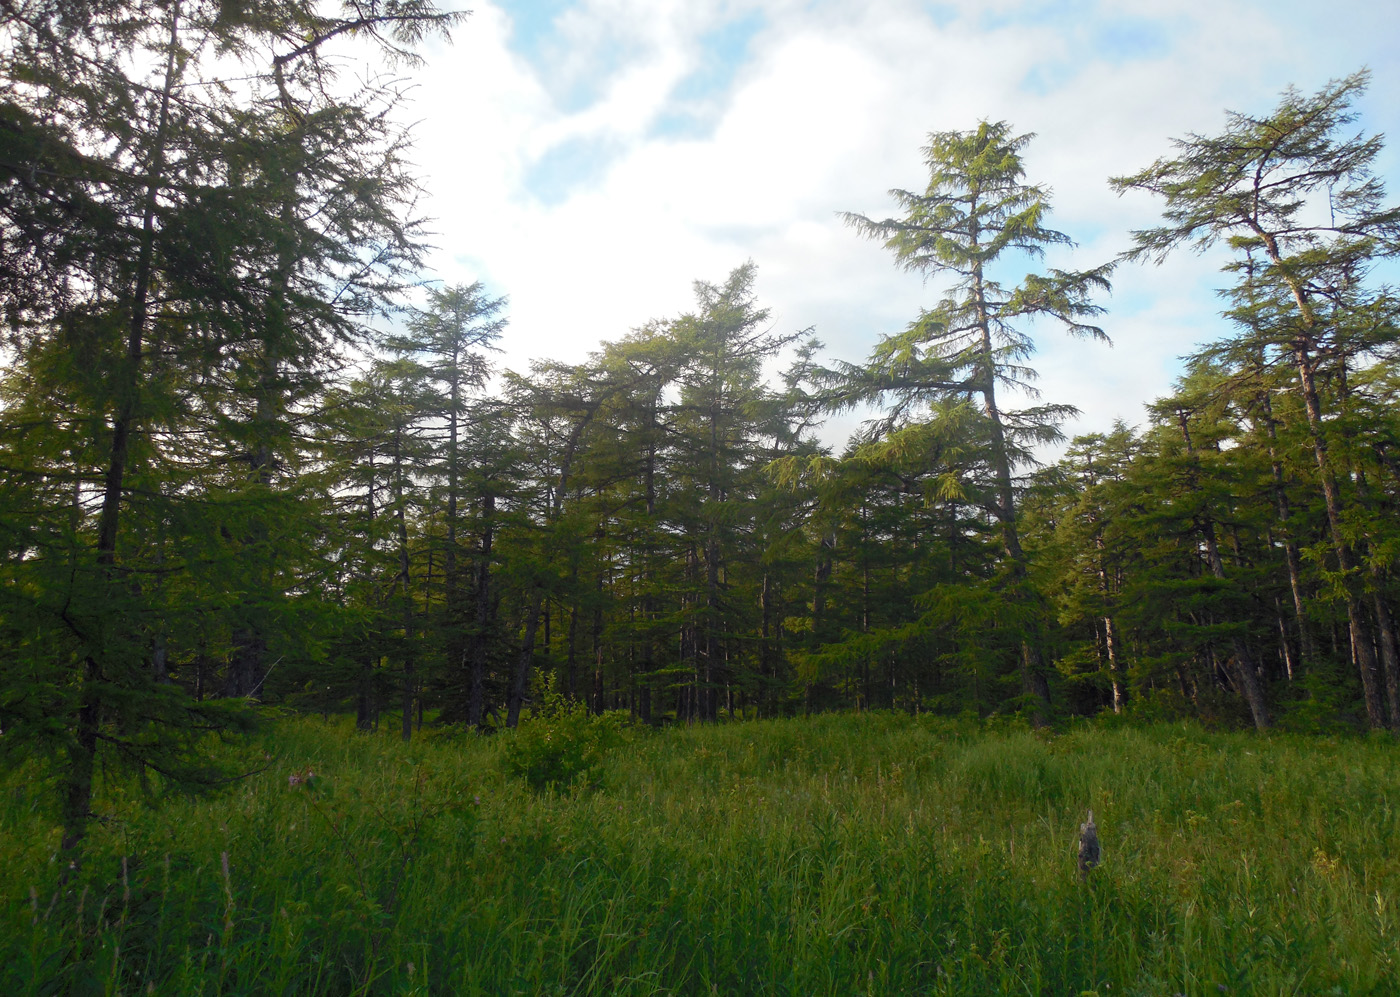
{"points": [[833, 855]]}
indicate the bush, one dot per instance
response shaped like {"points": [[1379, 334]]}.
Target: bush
{"points": [[562, 744]]}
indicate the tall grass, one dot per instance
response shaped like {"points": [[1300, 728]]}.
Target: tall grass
{"points": [[835, 855]]}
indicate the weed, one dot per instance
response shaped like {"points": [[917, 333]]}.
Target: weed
{"points": [[874, 854]]}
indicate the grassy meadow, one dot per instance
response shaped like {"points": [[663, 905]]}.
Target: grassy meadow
{"points": [[852, 854]]}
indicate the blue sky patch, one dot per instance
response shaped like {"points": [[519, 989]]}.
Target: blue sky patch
{"points": [[575, 78], [533, 22], [1056, 14], [1114, 40], [942, 14], [573, 164], [1124, 39], [694, 104]]}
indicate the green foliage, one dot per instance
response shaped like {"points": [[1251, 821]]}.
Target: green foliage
{"points": [[976, 215], [562, 744], [1295, 196], [835, 855], [185, 256]]}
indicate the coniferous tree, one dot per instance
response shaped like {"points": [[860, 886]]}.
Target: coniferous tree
{"points": [[447, 339], [974, 213], [201, 244], [1295, 193]]}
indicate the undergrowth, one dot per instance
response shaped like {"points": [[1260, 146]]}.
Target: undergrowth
{"points": [[875, 853]]}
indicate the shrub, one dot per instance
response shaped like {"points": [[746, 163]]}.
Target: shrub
{"points": [[562, 744]]}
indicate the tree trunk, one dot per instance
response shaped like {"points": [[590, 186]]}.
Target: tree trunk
{"points": [[364, 694], [1110, 634], [82, 754], [1302, 347], [1390, 656], [410, 670], [1290, 548], [1033, 678], [713, 668], [479, 644], [520, 681], [1346, 561], [1115, 670], [596, 698], [1285, 648], [1246, 673]]}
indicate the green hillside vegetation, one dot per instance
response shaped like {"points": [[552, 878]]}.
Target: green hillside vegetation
{"points": [[877, 853]]}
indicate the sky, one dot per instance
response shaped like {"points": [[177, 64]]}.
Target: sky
{"points": [[591, 159]]}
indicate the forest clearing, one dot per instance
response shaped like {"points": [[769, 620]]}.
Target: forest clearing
{"points": [[339, 656], [859, 854]]}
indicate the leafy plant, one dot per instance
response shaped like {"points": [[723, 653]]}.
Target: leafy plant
{"points": [[563, 744]]}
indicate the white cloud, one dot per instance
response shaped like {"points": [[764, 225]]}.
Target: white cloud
{"points": [[829, 111]]}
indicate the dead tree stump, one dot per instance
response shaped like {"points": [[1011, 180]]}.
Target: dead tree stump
{"points": [[1089, 852]]}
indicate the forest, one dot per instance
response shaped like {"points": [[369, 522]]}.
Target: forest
{"points": [[251, 453]]}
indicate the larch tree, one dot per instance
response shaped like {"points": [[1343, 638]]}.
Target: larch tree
{"points": [[975, 214], [448, 340], [720, 422], [189, 212], [1294, 195]]}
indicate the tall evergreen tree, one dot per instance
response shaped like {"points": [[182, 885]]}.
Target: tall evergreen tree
{"points": [[975, 212], [207, 236], [1295, 192], [448, 340]]}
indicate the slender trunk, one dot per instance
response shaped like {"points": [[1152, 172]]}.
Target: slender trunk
{"points": [[821, 577], [1246, 672], [249, 653], [713, 668], [1303, 345], [865, 611], [477, 703], [515, 697], [690, 634], [160, 652], [1284, 647], [597, 635], [713, 672], [521, 679], [366, 707], [82, 754], [454, 403], [1290, 547], [410, 669], [364, 693], [1110, 634], [1346, 561], [458, 651], [1390, 655], [765, 636], [160, 669], [1115, 670], [1385, 632], [599, 700], [649, 604], [571, 652], [1033, 676]]}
